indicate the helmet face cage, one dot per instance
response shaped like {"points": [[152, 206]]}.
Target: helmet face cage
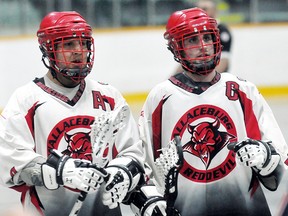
{"points": [[81, 66], [198, 32], [66, 41]]}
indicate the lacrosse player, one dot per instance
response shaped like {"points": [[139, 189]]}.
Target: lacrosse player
{"points": [[231, 143], [45, 146]]}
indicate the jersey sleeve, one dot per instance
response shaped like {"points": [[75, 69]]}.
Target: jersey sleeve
{"points": [[16, 141], [268, 126], [146, 135]]}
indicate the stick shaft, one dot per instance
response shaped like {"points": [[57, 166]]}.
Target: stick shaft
{"points": [[172, 180]]}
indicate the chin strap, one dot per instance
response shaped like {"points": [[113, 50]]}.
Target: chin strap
{"points": [[200, 68], [75, 72]]}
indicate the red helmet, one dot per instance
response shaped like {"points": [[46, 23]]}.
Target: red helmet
{"points": [[185, 24], [54, 30]]}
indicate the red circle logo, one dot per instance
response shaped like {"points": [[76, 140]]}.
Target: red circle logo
{"points": [[72, 137], [205, 131]]}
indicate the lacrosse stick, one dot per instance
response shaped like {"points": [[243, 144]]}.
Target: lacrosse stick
{"points": [[168, 165], [103, 134], [104, 131]]}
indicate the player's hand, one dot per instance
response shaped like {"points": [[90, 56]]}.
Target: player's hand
{"points": [[147, 201], [116, 187], [250, 153], [256, 154], [73, 173], [124, 175]]}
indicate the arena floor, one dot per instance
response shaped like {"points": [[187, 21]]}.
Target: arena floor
{"points": [[9, 199]]}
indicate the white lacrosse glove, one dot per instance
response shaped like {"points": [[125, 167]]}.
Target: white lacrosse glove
{"points": [[116, 188], [124, 174], [78, 174], [259, 155]]}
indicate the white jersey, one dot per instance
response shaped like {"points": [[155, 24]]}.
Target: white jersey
{"points": [[207, 118], [38, 119]]}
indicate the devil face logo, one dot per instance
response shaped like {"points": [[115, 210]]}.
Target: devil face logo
{"points": [[206, 140], [206, 130], [71, 137], [79, 145]]}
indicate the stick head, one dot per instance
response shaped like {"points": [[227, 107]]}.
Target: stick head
{"points": [[169, 163], [104, 131]]}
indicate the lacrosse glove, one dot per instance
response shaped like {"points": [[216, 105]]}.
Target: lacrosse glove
{"points": [[73, 173], [259, 155], [147, 201], [125, 175]]}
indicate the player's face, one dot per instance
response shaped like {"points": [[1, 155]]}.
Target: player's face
{"points": [[199, 47], [71, 53]]}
